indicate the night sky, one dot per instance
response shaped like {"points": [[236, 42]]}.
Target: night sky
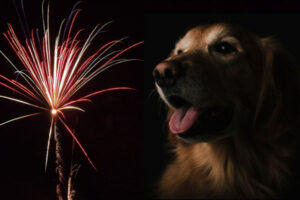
{"points": [[110, 129]]}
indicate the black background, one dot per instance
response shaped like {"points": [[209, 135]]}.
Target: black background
{"points": [[124, 133], [110, 130], [161, 33]]}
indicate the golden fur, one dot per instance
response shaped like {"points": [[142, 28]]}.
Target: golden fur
{"points": [[258, 161]]}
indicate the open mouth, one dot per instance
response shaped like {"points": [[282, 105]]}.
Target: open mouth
{"points": [[210, 119]]}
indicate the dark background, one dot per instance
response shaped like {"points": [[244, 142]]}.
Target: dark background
{"points": [[163, 30], [124, 133], [110, 130]]}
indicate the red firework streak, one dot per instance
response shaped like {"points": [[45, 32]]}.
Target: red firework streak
{"points": [[51, 78]]}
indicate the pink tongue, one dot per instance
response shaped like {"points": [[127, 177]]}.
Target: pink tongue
{"points": [[182, 120]]}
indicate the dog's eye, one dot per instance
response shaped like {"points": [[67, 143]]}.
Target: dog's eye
{"points": [[224, 48], [179, 51]]}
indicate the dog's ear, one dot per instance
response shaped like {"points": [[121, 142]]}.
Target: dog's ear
{"points": [[279, 88]]}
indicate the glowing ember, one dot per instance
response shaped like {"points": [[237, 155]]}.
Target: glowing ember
{"points": [[53, 111]]}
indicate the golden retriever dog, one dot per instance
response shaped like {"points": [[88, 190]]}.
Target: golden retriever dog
{"points": [[233, 101]]}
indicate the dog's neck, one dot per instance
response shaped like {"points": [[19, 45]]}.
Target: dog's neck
{"points": [[231, 166]]}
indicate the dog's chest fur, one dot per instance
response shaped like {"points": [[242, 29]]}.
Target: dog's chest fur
{"points": [[213, 171]]}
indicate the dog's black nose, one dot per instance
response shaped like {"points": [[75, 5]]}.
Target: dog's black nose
{"points": [[166, 73]]}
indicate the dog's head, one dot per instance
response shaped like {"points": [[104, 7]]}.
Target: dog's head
{"points": [[221, 80]]}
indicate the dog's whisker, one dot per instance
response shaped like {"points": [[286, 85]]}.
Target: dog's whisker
{"points": [[151, 93], [161, 107]]}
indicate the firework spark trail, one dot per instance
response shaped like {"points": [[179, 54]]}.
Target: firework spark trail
{"points": [[52, 78], [74, 168], [59, 164]]}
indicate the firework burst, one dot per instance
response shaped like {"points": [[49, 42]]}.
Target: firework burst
{"points": [[52, 73]]}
